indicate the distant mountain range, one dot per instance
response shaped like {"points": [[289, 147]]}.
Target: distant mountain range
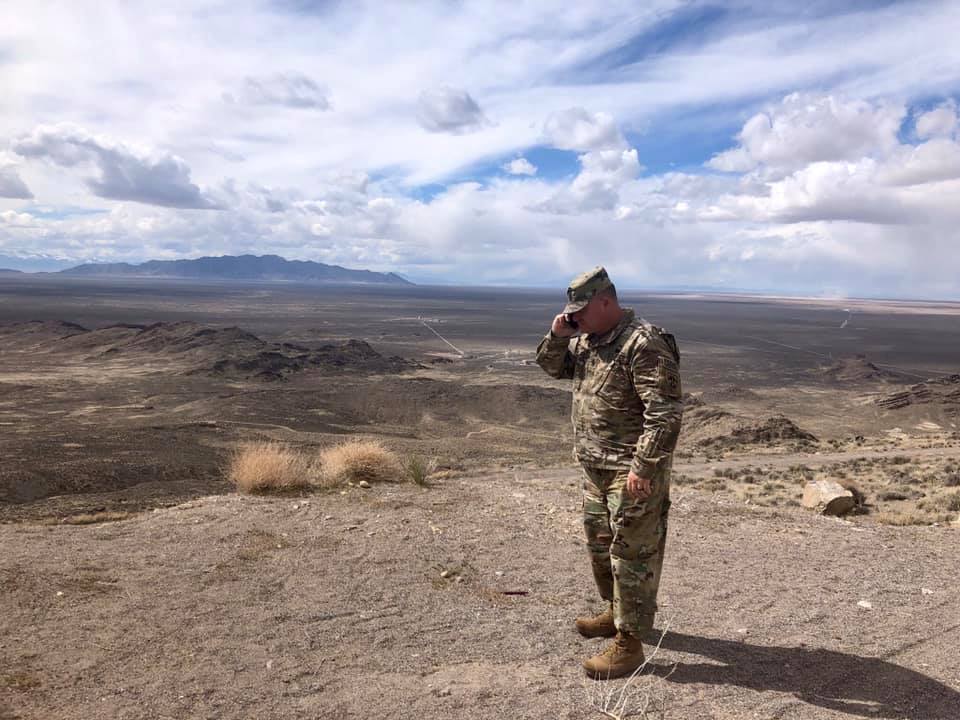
{"points": [[242, 267]]}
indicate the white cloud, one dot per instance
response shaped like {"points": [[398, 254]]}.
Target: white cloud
{"points": [[821, 191], [577, 129], [804, 129], [11, 218], [939, 122], [293, 90], [449, 110], [519, 166], [880, 181], [123, 172], [929, 162], [597, 186], [11, 184]]}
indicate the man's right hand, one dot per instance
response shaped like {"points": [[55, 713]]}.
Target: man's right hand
{"points": [[561, 328]]}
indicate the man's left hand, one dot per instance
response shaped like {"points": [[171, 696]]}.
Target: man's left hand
{"points": [[638, 487]]}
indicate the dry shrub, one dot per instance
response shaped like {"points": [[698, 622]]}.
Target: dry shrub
{"points": [[264, 467], [358, 460], [953, 502]]}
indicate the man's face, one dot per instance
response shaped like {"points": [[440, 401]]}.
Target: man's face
{"points": [[591, 318]]}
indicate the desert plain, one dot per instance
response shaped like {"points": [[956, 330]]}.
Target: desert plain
{"points": [[135, 582]]}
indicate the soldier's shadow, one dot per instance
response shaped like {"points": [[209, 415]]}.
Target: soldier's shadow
{"points": [[855, 685]]}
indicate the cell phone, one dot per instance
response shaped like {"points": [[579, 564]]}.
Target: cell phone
{"points": [[568, 318]]}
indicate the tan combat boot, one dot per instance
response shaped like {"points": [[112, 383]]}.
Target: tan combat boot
{"points": [[597, 626], [621, 657]]}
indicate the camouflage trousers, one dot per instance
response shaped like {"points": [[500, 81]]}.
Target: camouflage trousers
{"points": [[625, 538]]}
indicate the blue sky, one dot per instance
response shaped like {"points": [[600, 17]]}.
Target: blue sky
{"points": [[771, 146]]}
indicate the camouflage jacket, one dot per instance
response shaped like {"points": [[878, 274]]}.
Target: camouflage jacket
{"points": [[627, 406]]}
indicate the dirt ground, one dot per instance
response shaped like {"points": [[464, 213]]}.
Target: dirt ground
{"points": [[135, 583], [336, 606]]}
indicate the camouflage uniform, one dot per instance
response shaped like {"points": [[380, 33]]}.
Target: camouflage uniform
{"points": [[626, 416]]}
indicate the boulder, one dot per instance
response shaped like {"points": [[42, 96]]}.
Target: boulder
{"points": [[828, 498]]}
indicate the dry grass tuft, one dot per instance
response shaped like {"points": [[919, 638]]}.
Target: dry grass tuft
{"points": [[265, 467], [358, 460], [912, 517], [418, 469], [97, 517]]}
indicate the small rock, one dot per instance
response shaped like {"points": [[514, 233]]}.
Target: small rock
{"points": [[742, 631], [364, 484], [328, 517], [865, 604], [926, 591], [445, 692], [59, 593], [445, 574], [459, 579], [499, 573], [269, 664]]}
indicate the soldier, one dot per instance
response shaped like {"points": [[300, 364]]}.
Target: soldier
{"points": [[626, 417]]}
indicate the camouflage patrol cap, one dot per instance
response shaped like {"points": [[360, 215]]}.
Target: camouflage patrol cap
{"points": [[584, 286]]}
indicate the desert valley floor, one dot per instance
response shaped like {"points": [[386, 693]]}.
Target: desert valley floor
{"points": [[135, 582]]}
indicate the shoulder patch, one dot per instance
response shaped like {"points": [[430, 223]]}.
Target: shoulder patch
{"points": [[668, 378]]}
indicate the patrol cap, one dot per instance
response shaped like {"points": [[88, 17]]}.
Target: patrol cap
{"points": [[584, 286]]}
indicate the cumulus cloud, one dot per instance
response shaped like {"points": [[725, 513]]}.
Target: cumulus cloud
{"points": [[449, 110], [804, 129], [122, 172], [933, 161], [11, 184], [939, 122], [520, 166], [580, 130], [292, 90], [12, 218], [597, 185], [823, 191]]}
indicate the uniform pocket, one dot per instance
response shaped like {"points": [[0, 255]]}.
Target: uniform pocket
{"points": [[616, 388]]}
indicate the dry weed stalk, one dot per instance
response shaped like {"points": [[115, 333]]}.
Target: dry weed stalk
{"points": [[641, 695], [261, 467], [358, 460]]}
